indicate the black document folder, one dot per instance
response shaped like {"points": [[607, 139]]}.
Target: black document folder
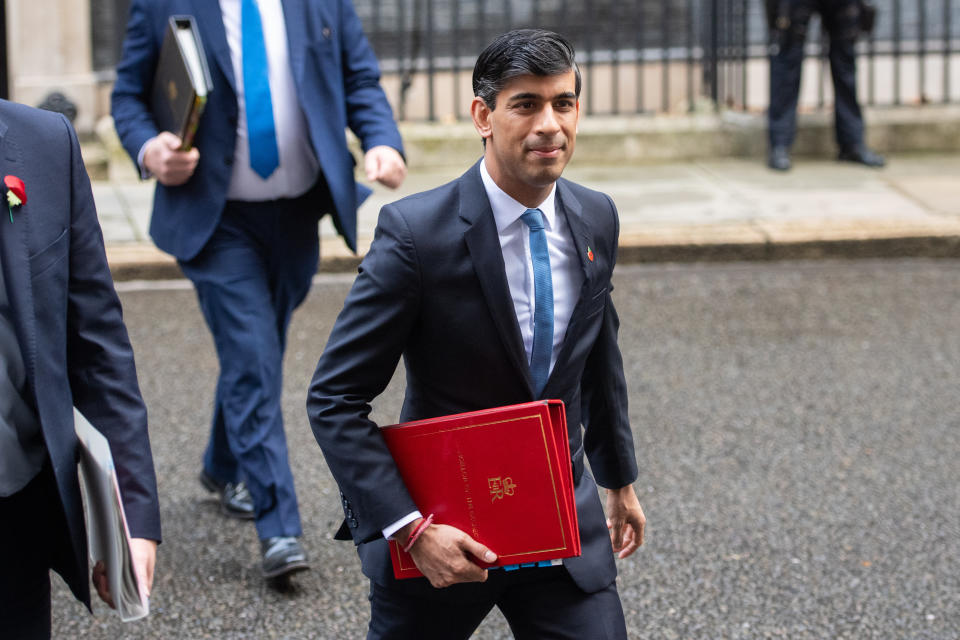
{"points": [[182, 82]]}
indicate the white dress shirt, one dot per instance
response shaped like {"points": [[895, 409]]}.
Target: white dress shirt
{"points": [[565, 268], [298, 168], [565, 272]]}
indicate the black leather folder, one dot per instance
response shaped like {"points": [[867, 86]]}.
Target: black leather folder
{"points": [[182, 82]]}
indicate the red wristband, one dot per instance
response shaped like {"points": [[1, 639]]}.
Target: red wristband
{"points": [[426, 522]]}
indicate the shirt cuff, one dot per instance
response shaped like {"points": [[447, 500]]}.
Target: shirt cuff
{"points": [[399, 524], [144, 172]]}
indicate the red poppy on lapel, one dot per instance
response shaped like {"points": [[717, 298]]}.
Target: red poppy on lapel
{"points": [[16, 193], [589, 254], [16, 190]]}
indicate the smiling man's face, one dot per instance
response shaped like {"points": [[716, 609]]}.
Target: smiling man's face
{"points": [[531, 133]]}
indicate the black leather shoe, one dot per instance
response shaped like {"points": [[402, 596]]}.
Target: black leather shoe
{"points": [[862, 155], [235, 499], [779, 158], [282, 556]]}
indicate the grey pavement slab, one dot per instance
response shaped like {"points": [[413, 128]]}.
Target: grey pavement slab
{"points": [[710, 203], [114, 215]]}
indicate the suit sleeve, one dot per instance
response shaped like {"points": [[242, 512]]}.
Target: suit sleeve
{"points": [[100, 365], [130, 100], [608, 440], [369, 114], [360, 358]]}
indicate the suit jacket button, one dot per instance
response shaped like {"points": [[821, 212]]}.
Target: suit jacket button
{"points": [[228, 161], [353, 523]]}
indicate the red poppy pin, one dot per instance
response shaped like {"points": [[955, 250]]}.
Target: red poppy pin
{"points": [[16, 193], [589, 254]]}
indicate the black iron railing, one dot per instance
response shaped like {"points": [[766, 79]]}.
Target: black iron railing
{"points": [[656, 56], [637, 56]]}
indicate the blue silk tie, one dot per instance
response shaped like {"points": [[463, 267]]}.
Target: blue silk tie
{"points": [[543, 300], [261, 131]]}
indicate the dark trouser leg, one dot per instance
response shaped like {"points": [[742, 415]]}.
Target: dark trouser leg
{"points": [[218, 461], [399, 615], [249, 278], [30, 528], [24, 598], [537, 603], [785, 69], [847, 116], [554, 607], [292, 263]]}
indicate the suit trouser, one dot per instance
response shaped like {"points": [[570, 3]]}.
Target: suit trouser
{"points": [[255, 270], [33, 540], [839, 19], [537, 603]]}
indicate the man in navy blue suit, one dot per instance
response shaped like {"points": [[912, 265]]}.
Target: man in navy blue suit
{"points": [[239, 211], [495, 290], [62, 344]]}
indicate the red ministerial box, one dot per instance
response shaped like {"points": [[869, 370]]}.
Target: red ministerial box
{"points": [[502, 475]]}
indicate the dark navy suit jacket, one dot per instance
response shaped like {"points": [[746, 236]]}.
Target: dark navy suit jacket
{"points": [[69, 324], [337, 80], [433, 289]]}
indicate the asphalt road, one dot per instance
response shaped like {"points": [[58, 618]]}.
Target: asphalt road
{"points": [[797, 428]]}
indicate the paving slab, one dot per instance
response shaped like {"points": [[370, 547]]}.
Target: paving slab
{"points": [[711, 209]]}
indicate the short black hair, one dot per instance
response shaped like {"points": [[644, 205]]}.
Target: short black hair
{"points": [[518, 53]]}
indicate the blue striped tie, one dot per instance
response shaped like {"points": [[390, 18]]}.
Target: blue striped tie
{"points": [[543, 300], [261, 131]]}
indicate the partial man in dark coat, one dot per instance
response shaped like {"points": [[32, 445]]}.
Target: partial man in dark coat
{"points": [[62, 344]]}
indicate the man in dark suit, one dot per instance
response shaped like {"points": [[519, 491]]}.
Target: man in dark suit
{"points": [[239, 211], [788, 21], [62, 344], [495, 289]]}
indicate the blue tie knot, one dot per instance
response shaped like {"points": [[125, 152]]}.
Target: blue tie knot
{"points": [[533, 218]]}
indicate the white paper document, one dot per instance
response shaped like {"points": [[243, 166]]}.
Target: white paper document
{"points": [[108, 538]]}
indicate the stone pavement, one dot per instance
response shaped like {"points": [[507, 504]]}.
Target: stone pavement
{"points": [[710, 209]]}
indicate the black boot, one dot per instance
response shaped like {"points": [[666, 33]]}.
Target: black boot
{"points": [[779, 158], [861, 154]]}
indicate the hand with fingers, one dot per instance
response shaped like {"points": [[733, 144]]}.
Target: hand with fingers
{"points": [[445, 555], [144, 555], [163, 158], [385, 165], [625, 520]]}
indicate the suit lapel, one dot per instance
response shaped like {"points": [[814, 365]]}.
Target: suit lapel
{"points": [[214, 36], [484, 246], [14, 254], [580, 232], [572, 212], [295, 19]]}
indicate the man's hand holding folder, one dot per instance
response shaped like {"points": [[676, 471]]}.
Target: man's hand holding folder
{"points": [[163, 157], [143, 552], [445, 554], [122, 566]]}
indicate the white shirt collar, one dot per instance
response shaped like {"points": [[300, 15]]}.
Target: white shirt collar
{"points": [[507, 211]]}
